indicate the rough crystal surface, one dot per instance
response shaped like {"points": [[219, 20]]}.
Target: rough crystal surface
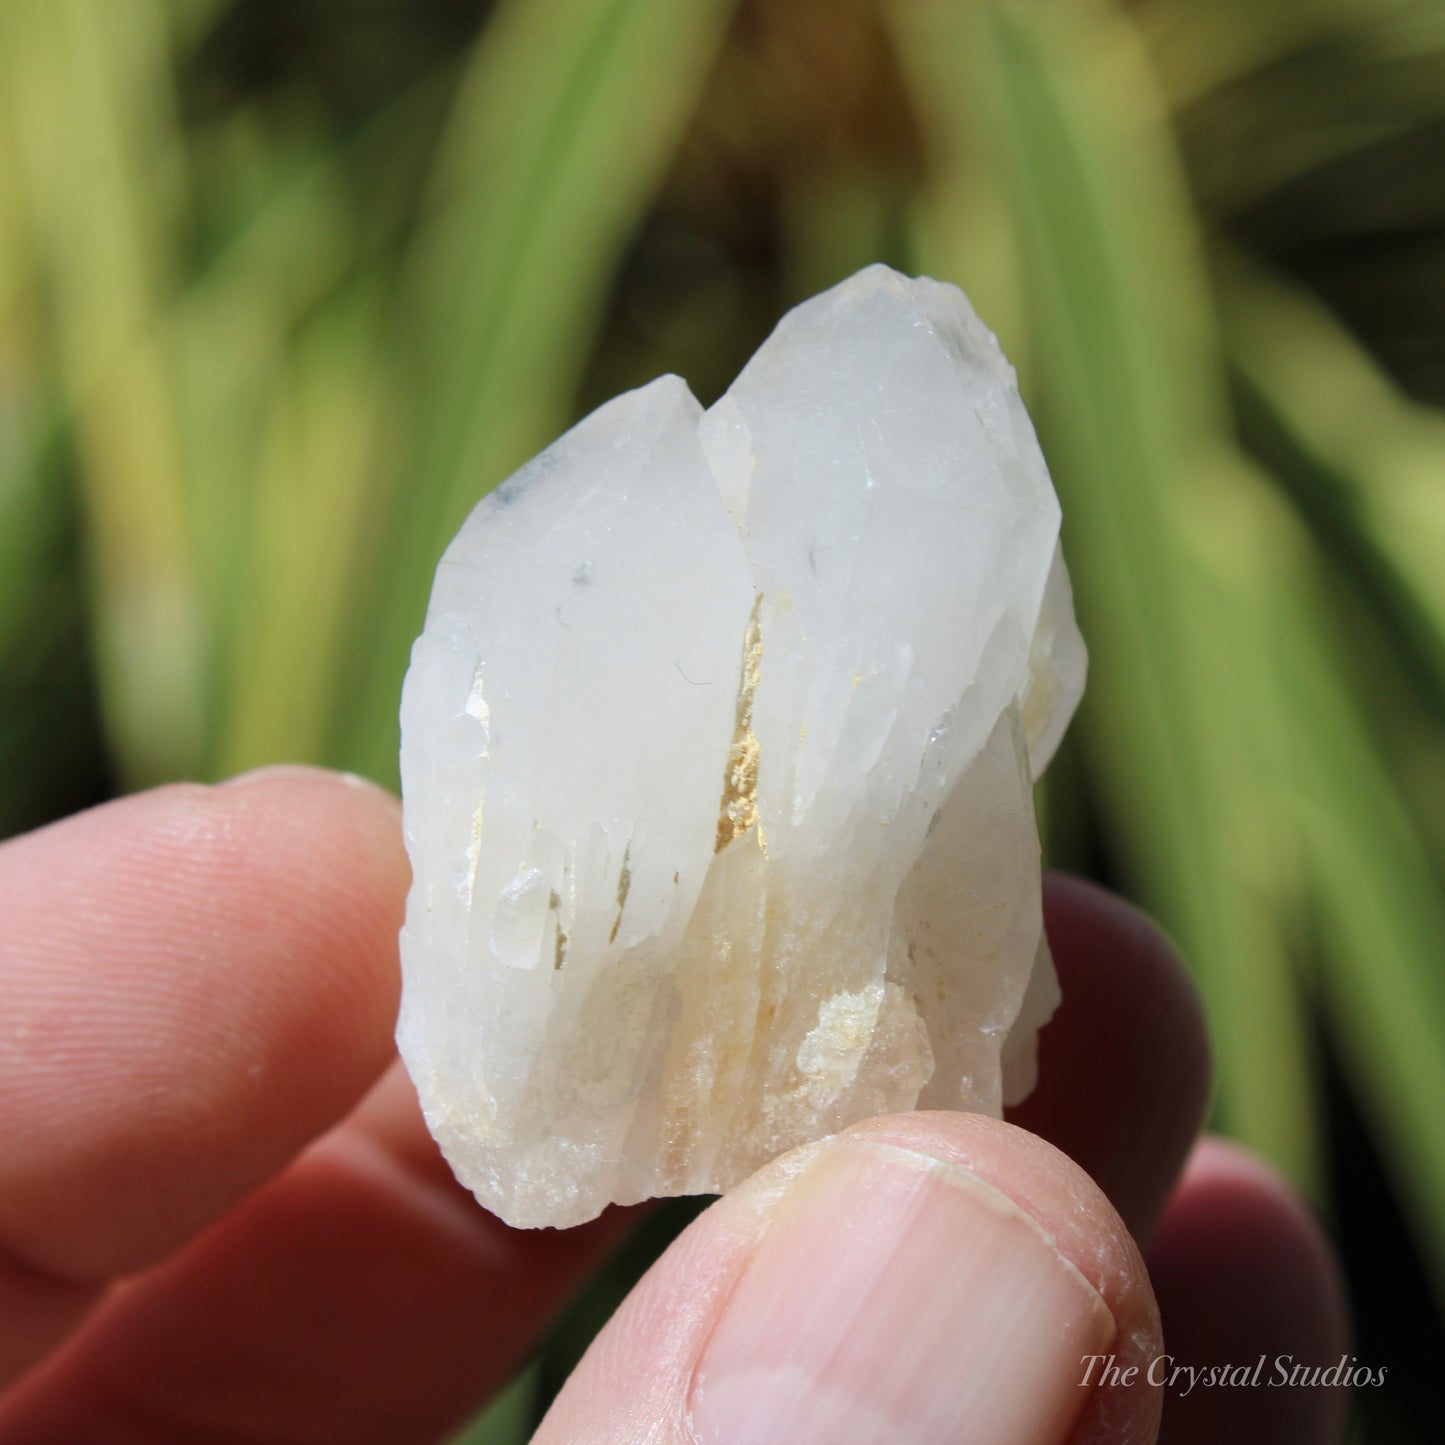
{"points": [[717, 758]]}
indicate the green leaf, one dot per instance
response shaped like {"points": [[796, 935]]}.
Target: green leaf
{"points": [[563, 128], [303, 543], [1362, 462], [509, 1417], [85, 91], [1375, 897], [1129, 391]]}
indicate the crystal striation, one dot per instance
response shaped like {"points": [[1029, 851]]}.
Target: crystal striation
{"points": [[717, 761]]}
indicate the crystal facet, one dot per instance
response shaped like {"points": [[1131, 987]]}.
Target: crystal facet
{"points": [[717, 761]]}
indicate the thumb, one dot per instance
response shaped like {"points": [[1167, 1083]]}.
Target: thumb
{"points": [[928, 1277]]}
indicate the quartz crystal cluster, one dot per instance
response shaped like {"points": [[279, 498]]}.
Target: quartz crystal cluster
{"points": [[717, 760]]}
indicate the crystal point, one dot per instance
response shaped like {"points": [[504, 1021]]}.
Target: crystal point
{"points": [[717, 761]]}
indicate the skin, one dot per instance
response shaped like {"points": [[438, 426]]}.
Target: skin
{"points": [[222, 1219]]}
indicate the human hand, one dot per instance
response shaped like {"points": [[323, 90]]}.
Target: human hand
{"points": [[221, 1218]]}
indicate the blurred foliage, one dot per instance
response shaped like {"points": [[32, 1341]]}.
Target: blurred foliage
{"points": [[285, 287]]}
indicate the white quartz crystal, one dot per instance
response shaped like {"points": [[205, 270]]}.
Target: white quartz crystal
{"points": [[717, 759]]}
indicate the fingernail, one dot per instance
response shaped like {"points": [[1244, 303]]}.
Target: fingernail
{"points": [[898, 1298]]}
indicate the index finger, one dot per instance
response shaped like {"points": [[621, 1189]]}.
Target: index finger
{"points": [[194, 983], [1124, 1066]]}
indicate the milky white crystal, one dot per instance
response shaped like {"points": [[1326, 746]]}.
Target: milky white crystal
{"points": [[717, 756]]}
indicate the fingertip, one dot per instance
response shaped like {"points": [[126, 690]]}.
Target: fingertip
{"points": [[1244, 1273], [1124, 1065], [196, 982], [923, 1276], [308, 775], [1231, 1202], [321, 853]]}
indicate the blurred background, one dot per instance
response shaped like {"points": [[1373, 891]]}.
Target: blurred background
{"points": [[286, 285]]}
